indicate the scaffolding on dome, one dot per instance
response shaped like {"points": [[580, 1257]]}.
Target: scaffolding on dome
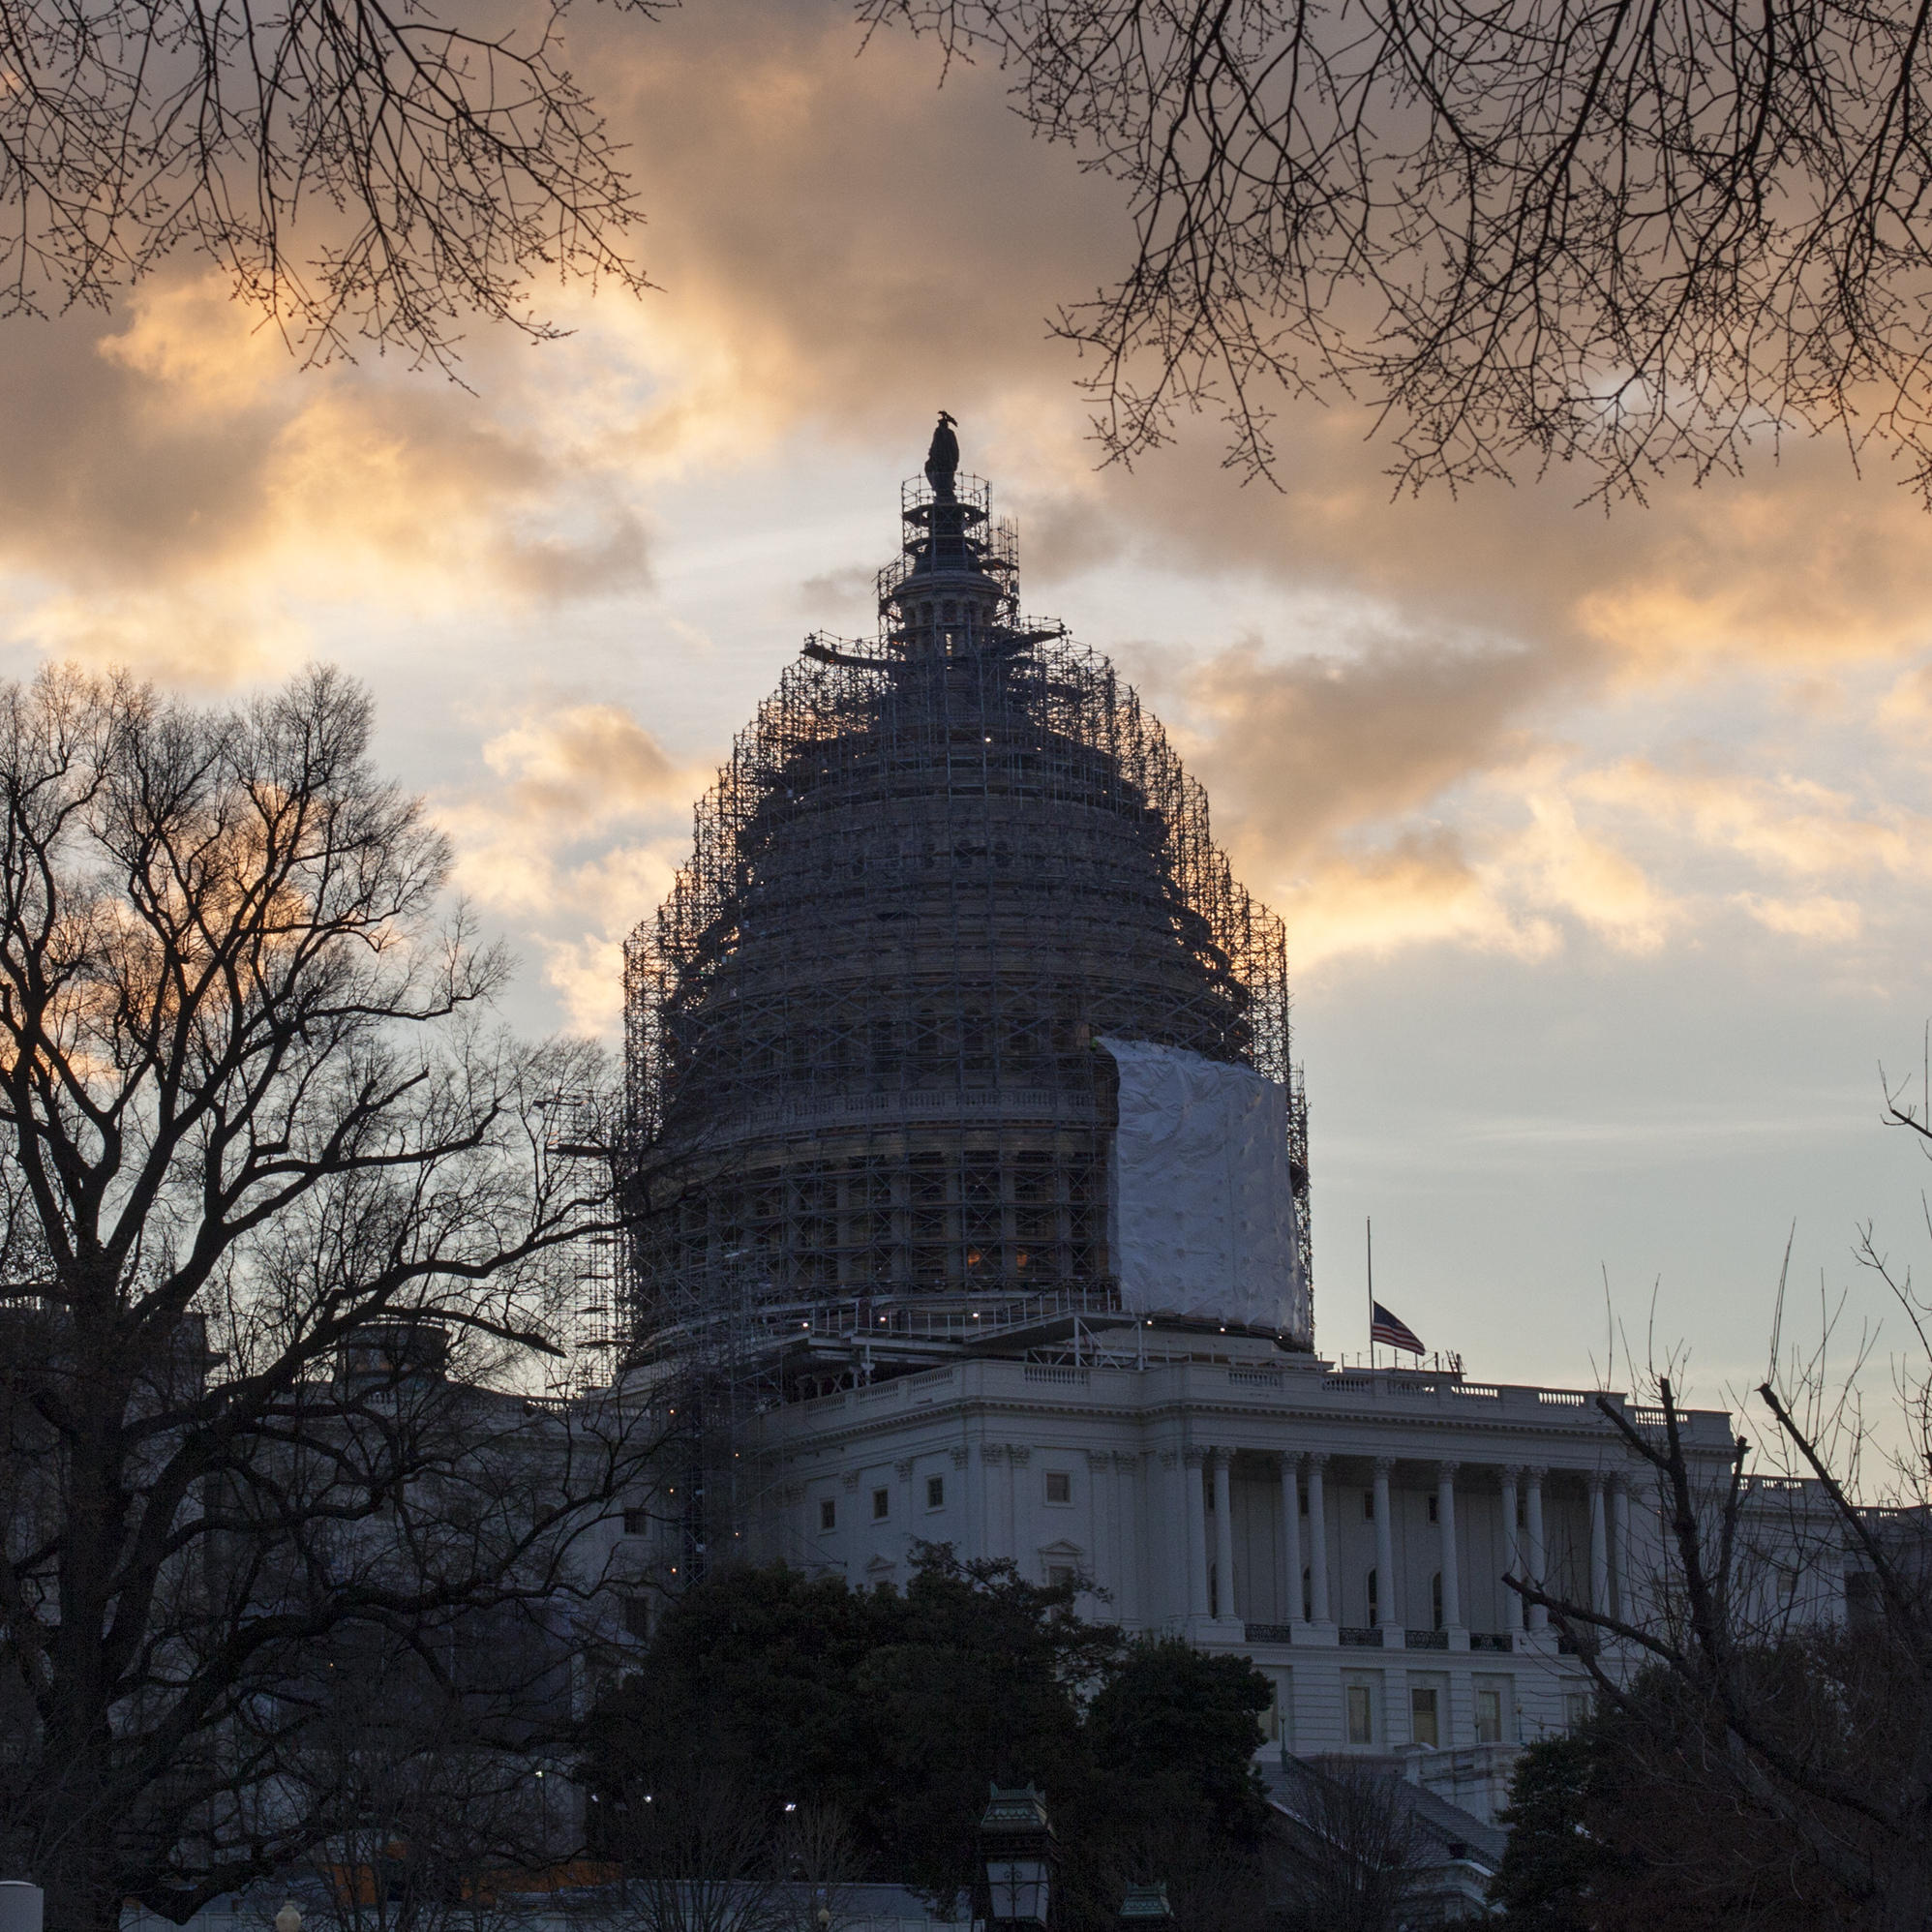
{"points": [[865, 1101]]}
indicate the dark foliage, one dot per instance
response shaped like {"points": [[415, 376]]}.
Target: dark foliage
{"points": [[898, 1711]]}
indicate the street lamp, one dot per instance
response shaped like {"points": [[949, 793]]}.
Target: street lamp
{"points": [[1016, 1853], [1145, 1909]]}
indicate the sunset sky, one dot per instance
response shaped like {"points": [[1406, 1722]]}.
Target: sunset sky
{"points": [[1602, 839]]}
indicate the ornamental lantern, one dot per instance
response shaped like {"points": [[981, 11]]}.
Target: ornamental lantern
{"points": [[1145, 1909], [1016, 1860]]}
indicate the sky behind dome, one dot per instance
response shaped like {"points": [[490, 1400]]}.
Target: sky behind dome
{"points": [[1602, 837]]}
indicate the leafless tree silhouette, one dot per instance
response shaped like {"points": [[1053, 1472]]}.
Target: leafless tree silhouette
{"points": [[282, 1222], [361, 172], [1626, 236], [1787, 1620]]}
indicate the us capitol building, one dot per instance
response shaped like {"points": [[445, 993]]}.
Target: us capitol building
{"points": [[969, 1178]]}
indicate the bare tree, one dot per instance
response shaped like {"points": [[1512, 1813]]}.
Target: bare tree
{"points": [[701, 1855], [282, 1220], [429, 1816], [359, 171], [1819, 1723], [1356, 1854], [1626, 236]]}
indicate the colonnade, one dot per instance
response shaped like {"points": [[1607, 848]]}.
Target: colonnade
{"points": [[1303, 1540]]}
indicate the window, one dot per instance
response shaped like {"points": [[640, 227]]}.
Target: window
{"points": [[1435, 1600], [827, 1514], [1488, 1718], [1421, 1725], [1361, 1715], [637, 1617], [882, 1505], [1434, 1505], [1576, 1708], [1374, 1596], [1059, 1575], [1059, 1485], [1304, 1501], [1308, 1596], [935, 1493], [636, 1522], [1368, 1505]]}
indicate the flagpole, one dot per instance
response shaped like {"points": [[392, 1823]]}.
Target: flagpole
{"points": [[1368, 1236]]}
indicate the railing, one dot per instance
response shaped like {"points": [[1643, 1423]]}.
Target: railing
{"points": [[1360, 1636], [1268, 1633], [1561, 1398], [1425, 1640], [1071, 1378], [1475, 1391], [1359, 1385], [1255, 1378], [1491, 1640], [1575, 1646], [931, 1378]]}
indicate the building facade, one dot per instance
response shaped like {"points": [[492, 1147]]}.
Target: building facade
{"points": [[970, 1188]]}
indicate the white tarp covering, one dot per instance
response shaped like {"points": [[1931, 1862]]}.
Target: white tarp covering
{"points": [[1201, 1212]]}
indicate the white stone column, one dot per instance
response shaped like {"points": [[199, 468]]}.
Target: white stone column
{"points": [[1127, 1515], [1512, 1554], [1223, 1535], [1103, 1558], [1317, 1541], [1599, 1548], [1539, 1617], [1445, 1522], [1191, 1461], [1291, 1534], [1174, 1562], [1619, 1547], [991, 1456], [855, 1505], [1387, 1614]]}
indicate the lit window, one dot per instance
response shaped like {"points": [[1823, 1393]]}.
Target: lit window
{"points": [[1488, 1718], [882, 1504], [1059, 1485], [827, 1514], [935, 1493], [1361, 1725], [1421, 1725]]}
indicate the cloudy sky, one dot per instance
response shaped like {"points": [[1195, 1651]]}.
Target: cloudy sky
{"points": [[1602, 839]]}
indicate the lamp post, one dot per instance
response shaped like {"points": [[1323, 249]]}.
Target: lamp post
{"points": [[1016, 1861], [1145, 1909]]}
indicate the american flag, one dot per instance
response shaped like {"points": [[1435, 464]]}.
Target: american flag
{"points": [[1392, 1330]]}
